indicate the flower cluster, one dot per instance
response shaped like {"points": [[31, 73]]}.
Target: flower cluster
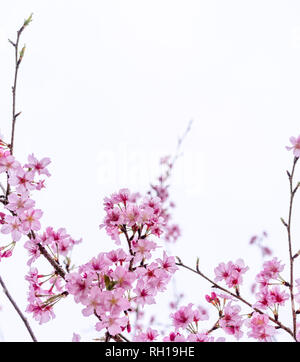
{"points": [[111, 287], [124, 215], [260, 328], [161, 189], [231, 273], [21, 217], [41, 298], [270, 296], [186, 319]]}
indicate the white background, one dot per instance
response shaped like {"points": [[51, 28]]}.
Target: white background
{"points": [[107, 87]]}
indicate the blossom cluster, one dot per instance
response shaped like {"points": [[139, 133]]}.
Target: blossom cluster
{"points": [[21, 216], [161, 190], [270, 295], [114, 284], [231, 273], [22, 219]]}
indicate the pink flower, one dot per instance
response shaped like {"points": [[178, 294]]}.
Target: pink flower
{"points": [[295, 146], [78, 286], [231, 272], [123, 277], [231, 321], [260, 328], [38, 166], [118, 256], [114, 324], [99, 264], [144, 294], [274, 267], [264, 299], [143, 247], [30, 220], [40, 312], [279, 296], [19, 202], [223, 271], [22, 180], [168, 263], [115, 302], [8, 164], [94, 302], [183, 317], [14, 226], [33, 250], [132, 214], [149, 336], [200, 314]]}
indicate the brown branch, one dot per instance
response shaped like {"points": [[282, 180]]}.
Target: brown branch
{"points": [[58, 269], [291, 257], [215, 285], [214, 327], [25, 321]]}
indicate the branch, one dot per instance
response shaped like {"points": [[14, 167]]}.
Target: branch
{"points": [[180, 141], [58, 269], [18, 59], [288, 227], [25, 321], [215, 285]]}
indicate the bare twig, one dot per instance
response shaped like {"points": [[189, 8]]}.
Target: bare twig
{"points": [[215, 285], [25, 321], [180, 141], [18, 59]]}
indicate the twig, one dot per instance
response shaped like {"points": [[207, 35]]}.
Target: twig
{"points": [[214, 327], [18, 60], [18, 310], [180, 141], [215, 285]]}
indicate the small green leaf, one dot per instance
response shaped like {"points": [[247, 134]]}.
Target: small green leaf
{"points": [[29, 20], [22, 53]]}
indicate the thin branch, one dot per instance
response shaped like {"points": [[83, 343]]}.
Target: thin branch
{"points": [[215, 285], [180, 141], [288, 227], [18, 59], [25, 321], [58, 269], [214, 327]]}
